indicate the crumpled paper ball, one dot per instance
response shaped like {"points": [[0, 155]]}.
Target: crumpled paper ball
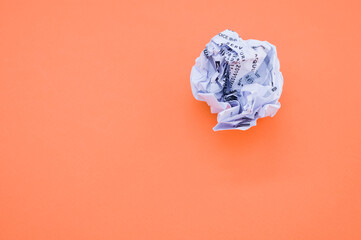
{"points": [[239, 79]]}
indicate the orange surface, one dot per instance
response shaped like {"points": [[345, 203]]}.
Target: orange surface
{"points": [[101, 138]]}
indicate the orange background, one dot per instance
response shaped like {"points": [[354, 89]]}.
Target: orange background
{"points": [[101, 138]]}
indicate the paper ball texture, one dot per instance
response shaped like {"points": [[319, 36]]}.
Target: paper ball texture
{"points": [[239, 79]]}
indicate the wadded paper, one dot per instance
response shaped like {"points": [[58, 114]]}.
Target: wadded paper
{"points": [[239, 79]]}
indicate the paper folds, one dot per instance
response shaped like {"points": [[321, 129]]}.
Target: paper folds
{"points": [[239, 79]]}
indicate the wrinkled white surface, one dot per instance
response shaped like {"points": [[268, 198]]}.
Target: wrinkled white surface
{"points": [[239, 79]]}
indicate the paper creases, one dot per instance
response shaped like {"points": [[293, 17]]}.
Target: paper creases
{"points": [[239, 79]]}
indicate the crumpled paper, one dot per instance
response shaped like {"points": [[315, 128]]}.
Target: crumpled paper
{"points": [[239, 79]]}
